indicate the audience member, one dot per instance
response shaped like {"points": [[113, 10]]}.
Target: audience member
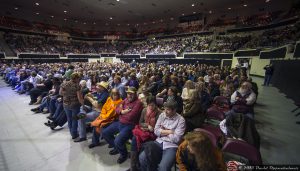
{"points": [[242, 100], [107, 116], [197, 152], [129, 113], [72, 100], [144, 131], [169, 130]]}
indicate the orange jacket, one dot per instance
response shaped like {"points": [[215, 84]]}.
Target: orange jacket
{"points": [[108, 113]]}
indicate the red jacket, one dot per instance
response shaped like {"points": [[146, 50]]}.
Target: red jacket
{"points": [[133, 116]]}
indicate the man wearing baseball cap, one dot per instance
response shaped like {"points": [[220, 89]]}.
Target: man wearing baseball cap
{"points": [[88, 114], [129, 114]]}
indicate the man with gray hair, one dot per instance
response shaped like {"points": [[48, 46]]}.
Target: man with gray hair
{"points": [[243, 99]]}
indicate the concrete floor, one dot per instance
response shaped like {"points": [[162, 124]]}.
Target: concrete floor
{"points": [[26, 144], [277, 126]]}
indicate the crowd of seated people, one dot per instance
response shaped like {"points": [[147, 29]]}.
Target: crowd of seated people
{"points": [[175, 45], [151, 105], [161, 46], [260, 19], [139, 47], [230, 43], [199, 44], [50, 45], [276, 37]]}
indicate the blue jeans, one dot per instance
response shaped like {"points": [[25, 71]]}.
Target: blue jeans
{"points": [[44, 104], [96, 135], [91, 116], [58, 110], [267, 79], [72, 123], [133, 144], [22, 87], [166, 163], [61, 119], [14, 81], [118, 142], [53, 105]]}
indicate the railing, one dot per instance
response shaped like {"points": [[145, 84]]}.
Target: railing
{"points": [[247, 53], [37, 56], [2, 55], [297, 51], [274, 53], [213, 56], [77, 56]]}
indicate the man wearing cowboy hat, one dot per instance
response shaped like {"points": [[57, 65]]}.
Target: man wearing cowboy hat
{"points": [[97, 100], [129, 113]]}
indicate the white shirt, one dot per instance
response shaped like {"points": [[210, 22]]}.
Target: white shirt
{"points": [[249, 101]]}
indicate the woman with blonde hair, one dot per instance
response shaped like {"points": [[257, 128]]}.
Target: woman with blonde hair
{"points": [[200, 80], [107, 115], [189, 85], [227, 87], [197, 153]]}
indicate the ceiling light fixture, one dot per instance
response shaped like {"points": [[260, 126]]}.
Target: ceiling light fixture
{"points": [[229, 8], [65, 11], [16, 8], [245, 5], [110, 18], [210, 11], [194, 12], [268, 1], [76, 21], [94, 23], [37, 4], [193, 5], [118, 0], [37, 13], [65, 19], [84, 23], [52, 16], [182, 14]]}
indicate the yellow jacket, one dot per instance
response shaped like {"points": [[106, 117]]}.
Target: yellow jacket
{"points": [[108, 113]]}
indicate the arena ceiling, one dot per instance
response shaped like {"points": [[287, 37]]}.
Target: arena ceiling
{"points": [[95, 14]]}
